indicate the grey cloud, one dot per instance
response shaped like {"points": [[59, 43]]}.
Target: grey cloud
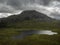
{"points": [[13, 5], [1, 1], [18, 4], [46, 2], [10, 6], [6, 8]]}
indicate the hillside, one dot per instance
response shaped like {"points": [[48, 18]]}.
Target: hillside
{"points": [[29, 20], [27, 15]]}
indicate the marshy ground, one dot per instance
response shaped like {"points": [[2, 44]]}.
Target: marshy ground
{"points": [[35, 39]]}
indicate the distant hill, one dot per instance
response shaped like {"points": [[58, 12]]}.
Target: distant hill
{"points": [[27, 15]]}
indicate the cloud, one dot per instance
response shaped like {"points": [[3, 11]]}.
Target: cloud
{"points": [[46, 2], [9, 14], [45, 6], [13, 5], [6, 8]]}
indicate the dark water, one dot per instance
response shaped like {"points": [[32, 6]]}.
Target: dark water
{"points": [[31, 32]]}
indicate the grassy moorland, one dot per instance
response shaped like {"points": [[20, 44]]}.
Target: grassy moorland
{"points": [[12, 29], [29, 20]]}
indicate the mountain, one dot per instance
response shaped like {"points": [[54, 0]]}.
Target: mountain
{"points": [[28, 15]]}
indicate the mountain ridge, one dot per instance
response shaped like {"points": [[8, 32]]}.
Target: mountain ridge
{"points": [[27, 15]]}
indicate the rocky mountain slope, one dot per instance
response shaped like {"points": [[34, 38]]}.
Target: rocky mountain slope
{"points": [[27, 15]]}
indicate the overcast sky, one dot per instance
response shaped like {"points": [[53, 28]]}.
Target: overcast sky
{"points": [[11, 6]]}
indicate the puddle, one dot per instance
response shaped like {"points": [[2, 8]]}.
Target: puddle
{"points": [[47, 32], [31, 32]]}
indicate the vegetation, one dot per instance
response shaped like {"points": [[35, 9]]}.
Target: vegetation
{"points": [[12, 25], [7, 32]]}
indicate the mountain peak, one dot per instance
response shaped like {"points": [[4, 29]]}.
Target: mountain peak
{"points": [[28, 15], [33, 14]]}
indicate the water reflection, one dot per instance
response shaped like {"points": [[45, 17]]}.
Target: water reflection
{"points": [[47, 32], [31, 32]]}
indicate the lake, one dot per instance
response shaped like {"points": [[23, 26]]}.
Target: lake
{"points": [[25, 33]]}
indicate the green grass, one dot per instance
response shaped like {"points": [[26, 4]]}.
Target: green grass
{"points": [[8, 32], [35, 25]]}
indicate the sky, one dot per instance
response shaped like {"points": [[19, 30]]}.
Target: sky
{"points": [[49, 7]]}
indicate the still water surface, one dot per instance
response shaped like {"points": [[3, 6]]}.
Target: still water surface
{"points": [[31, 32]]}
